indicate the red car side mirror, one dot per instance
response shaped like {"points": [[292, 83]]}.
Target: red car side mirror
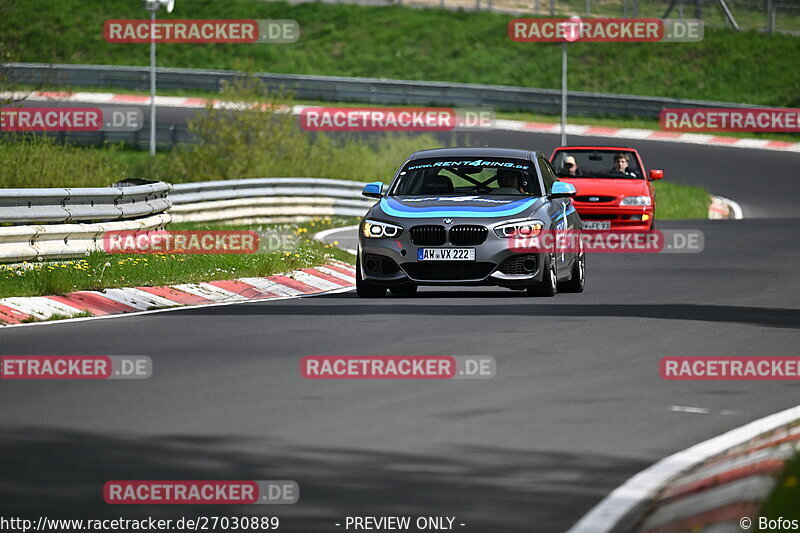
{"points": [[656, 174]]}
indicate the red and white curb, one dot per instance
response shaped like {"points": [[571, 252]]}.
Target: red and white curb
{"points": [[724, 208], [336, 276], [637, 134], [711, 485], [500, 124], [724, 489]]}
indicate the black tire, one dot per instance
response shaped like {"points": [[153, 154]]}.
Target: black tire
{"points": [[549, 284], [408, 289], [577, 281], [367, 290]]}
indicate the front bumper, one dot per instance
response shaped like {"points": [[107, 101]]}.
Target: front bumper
{"points": [[394, 262], [621, 218]]}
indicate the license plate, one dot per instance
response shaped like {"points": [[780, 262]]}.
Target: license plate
{"points": [[446, 254], [596, 224]]}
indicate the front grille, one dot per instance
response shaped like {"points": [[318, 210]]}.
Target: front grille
{"points": [[515, 265], [464, 235], [448, 270], [378, 264], [600, 199], [428, 235], [599, 217]]}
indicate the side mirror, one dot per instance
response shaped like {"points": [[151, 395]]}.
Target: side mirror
{"points": [[562, 189], [656, 174], [373, 190]]}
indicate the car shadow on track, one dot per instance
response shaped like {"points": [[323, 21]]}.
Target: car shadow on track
{"points": [[60, 474], [347, 304]]}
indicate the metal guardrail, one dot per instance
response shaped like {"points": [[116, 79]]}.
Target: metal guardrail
{"points": [[50, 220], [364, 90], [266, 200], [144, 208], [83, 204], [57, 241]]}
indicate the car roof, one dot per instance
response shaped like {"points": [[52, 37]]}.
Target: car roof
{"points": [[474, 152]]}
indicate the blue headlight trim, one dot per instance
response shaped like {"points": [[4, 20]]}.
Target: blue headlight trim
{"points": [[394, 208]]}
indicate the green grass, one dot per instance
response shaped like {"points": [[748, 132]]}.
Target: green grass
{"points": [[41, 162], [422, 44], [678, 202], [784, 498], [98, 271]]}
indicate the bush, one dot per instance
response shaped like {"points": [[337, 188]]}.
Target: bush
{"points": [[261, 139], [34, 161]]}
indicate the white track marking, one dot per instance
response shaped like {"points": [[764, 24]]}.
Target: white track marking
{"points": [[682, 409]]}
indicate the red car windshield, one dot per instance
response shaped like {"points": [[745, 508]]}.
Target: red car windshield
{"points": [[597, 164]]}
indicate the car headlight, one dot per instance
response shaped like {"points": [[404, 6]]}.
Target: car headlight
{"points": [[527, 228], [636, 200], [372, 229]]}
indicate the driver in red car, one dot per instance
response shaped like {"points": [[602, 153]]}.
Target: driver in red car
{"points": [[622, 166]]}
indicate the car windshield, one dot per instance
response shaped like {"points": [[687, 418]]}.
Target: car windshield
{"points": [[597, 164], [456, 177]]}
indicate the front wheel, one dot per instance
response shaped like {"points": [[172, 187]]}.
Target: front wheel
{"points": [[578, 280], [549, 284], [366, 290]]}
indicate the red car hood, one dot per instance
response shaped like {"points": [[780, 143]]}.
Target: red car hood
{"points": [[616, 187]]}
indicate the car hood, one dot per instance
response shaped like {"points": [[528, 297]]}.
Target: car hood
{"points": [[618, 187], [458, 206]]}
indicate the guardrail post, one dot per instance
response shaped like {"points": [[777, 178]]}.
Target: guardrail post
{"points": [[553, 8], [536, 7], [770, 16], [588, 8]]}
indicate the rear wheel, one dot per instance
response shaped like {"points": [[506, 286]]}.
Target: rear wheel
{"points": [[549, 284], [578, 279], [409, 289], [366, 290]]}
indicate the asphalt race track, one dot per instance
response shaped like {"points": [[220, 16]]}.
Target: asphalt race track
{"points": [[576, 408]]}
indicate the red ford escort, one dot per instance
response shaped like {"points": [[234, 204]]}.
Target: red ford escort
{"points": [[615, 191]]}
